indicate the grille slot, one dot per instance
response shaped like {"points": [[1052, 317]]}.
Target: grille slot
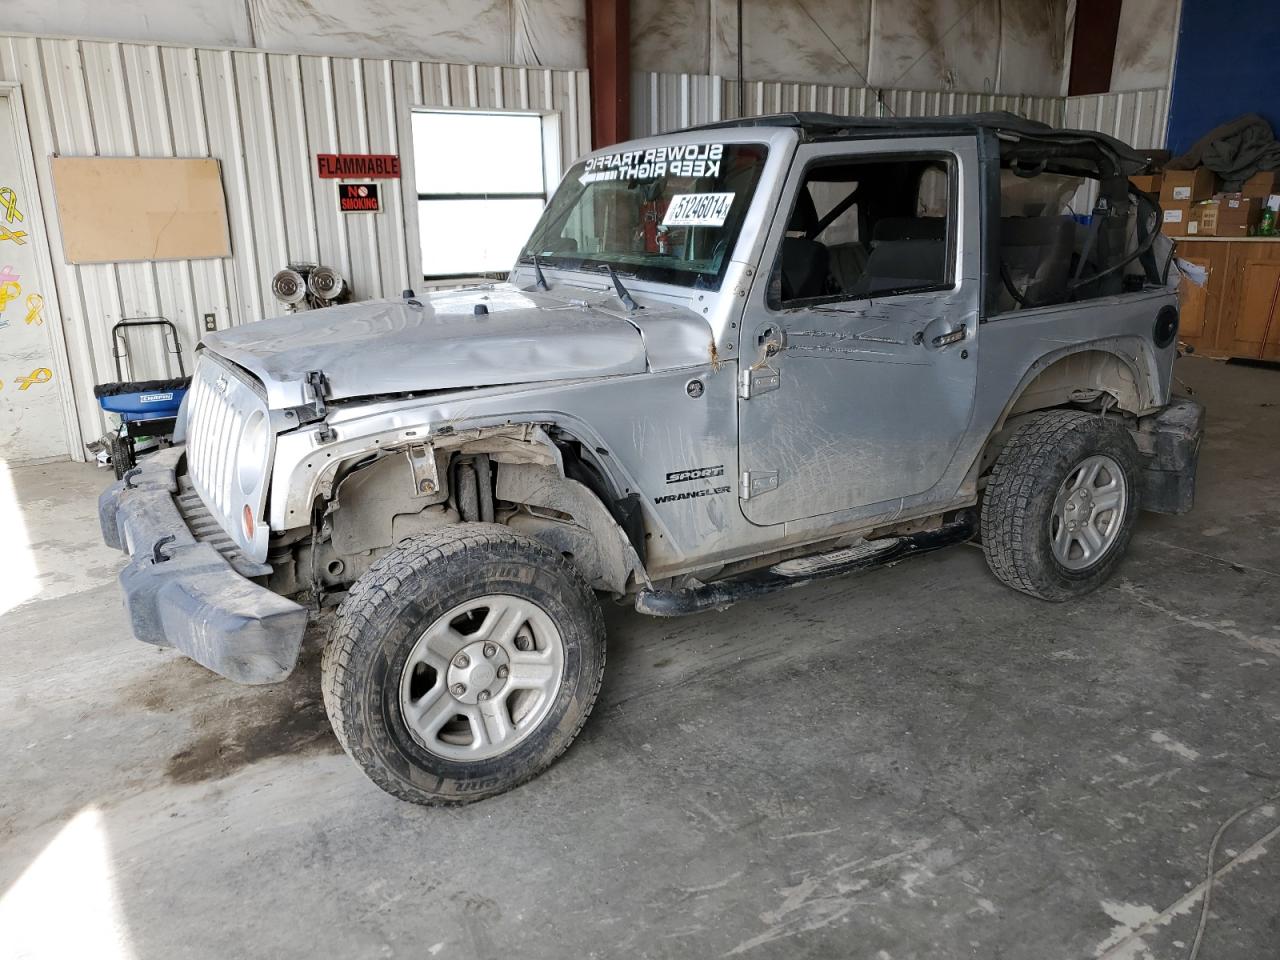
{"points": [[204, 526]]}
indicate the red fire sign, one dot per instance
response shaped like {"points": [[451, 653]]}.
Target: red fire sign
{"points": [[368, 166]]}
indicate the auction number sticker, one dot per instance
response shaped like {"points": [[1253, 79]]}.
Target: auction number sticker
{"points": [[698, 210]]}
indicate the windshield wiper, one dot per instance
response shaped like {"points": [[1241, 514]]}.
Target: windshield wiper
{"points": [[628, 301], [539, 279]]}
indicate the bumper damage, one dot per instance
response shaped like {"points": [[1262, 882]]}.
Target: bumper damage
{"points": [[181, 592], [1169, 442]]}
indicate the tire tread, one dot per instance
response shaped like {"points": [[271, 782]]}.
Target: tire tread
{"points": [[1016, 478], [415, 557]]}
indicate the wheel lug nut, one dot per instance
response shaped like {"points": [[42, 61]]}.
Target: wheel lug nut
{"points": [[482, 695], [503, 670], [490, 649], [458, 689], [462, 661]]}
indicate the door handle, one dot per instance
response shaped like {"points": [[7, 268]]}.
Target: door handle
{"points": [[950, 337]]}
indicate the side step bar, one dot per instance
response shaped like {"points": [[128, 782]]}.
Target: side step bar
{"points": [[794, 573]]}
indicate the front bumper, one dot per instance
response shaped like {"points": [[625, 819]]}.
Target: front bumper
{"points": [[181, 592]]}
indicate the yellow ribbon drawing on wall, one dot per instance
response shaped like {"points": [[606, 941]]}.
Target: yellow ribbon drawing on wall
{"points": [[38, 375], [17, 236], [35, 303], [9, 290], [9, 204]]}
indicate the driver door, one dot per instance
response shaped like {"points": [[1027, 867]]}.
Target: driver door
{"points": [[859, 352]]}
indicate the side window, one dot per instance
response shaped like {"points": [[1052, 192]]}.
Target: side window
{"points": [[867, 228], [1042, 239]]}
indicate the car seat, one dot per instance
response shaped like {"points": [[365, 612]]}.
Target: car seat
{"points": [[804, 261]]}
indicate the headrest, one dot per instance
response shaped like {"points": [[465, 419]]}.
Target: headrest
{"points": [[1035, 231], [805, 215]]}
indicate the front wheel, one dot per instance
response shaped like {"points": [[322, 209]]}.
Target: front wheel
{"points": [[1060, 504], [463, 663]]}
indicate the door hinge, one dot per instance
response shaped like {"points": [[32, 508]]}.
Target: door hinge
{"points": [[756, 482], [757, 380]]}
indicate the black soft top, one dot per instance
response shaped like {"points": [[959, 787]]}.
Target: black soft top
{"points": [[1008, 126]]}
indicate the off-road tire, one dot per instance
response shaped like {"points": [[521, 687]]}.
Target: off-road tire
{"points": [[409, 588], [1017, 506]]}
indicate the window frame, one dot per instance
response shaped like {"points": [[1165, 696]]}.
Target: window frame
{"points": [[550, 170], [773, 288], [668, 276]]}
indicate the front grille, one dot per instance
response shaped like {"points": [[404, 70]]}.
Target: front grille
{"points": [[221, 400], [213, 430]]}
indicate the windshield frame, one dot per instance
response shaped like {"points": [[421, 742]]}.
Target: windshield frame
{"points": [[596, 264]]}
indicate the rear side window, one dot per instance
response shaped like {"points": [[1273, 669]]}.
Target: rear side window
{"points": [[1043, 237], [872, 227]]}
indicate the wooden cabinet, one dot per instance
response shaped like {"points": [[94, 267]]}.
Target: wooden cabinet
{"points": [[1237, 312], [1257, 334]]}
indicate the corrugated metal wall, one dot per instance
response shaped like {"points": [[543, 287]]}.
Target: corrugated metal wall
{"points": [[661, 102], [1139, 118], [264, 116]]}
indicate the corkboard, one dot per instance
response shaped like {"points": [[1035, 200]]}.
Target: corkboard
{"points": [[118, 210]]}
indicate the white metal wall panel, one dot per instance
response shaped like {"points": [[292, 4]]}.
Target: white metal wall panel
{"points": [[1138, 117], [661, 102], [264, 116]]}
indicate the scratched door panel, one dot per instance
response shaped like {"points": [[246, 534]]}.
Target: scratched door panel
{"points": [[31, 425], [863, 396]]}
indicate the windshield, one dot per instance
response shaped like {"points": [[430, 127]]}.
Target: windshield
{"points": [[666, 214]]}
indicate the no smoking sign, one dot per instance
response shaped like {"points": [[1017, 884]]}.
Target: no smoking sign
{"points": [[358, 198]]}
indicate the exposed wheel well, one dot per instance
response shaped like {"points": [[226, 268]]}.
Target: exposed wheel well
{"points": [[1082, 378], [532, 478], [1091, 378]]}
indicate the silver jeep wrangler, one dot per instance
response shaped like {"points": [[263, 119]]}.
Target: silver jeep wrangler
{"points": [[728, 361]]}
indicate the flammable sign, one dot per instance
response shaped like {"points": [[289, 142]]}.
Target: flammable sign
{"points": [[358, 198]]}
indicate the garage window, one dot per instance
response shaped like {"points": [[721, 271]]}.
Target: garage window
{"points": [[482, 184]]}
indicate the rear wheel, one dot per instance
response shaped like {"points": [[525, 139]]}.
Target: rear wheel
{"points": [[463, 663], [1060, 504]]}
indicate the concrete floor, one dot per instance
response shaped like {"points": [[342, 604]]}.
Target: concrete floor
{"points": [[916, 764]]}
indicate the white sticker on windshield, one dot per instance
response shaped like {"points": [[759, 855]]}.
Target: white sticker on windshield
{"points": [[698, 210]]}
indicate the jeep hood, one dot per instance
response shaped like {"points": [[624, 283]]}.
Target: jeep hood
{"points": [[396, 346]]}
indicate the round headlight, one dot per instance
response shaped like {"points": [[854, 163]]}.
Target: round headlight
{"points": [[251, 458], [288, 286]]}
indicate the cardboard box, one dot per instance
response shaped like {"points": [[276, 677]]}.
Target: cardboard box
{"points": [[1262, 185], [1176, 219], [1187, 186], [1238, 214], [1148, 182], [1203, 219]]}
